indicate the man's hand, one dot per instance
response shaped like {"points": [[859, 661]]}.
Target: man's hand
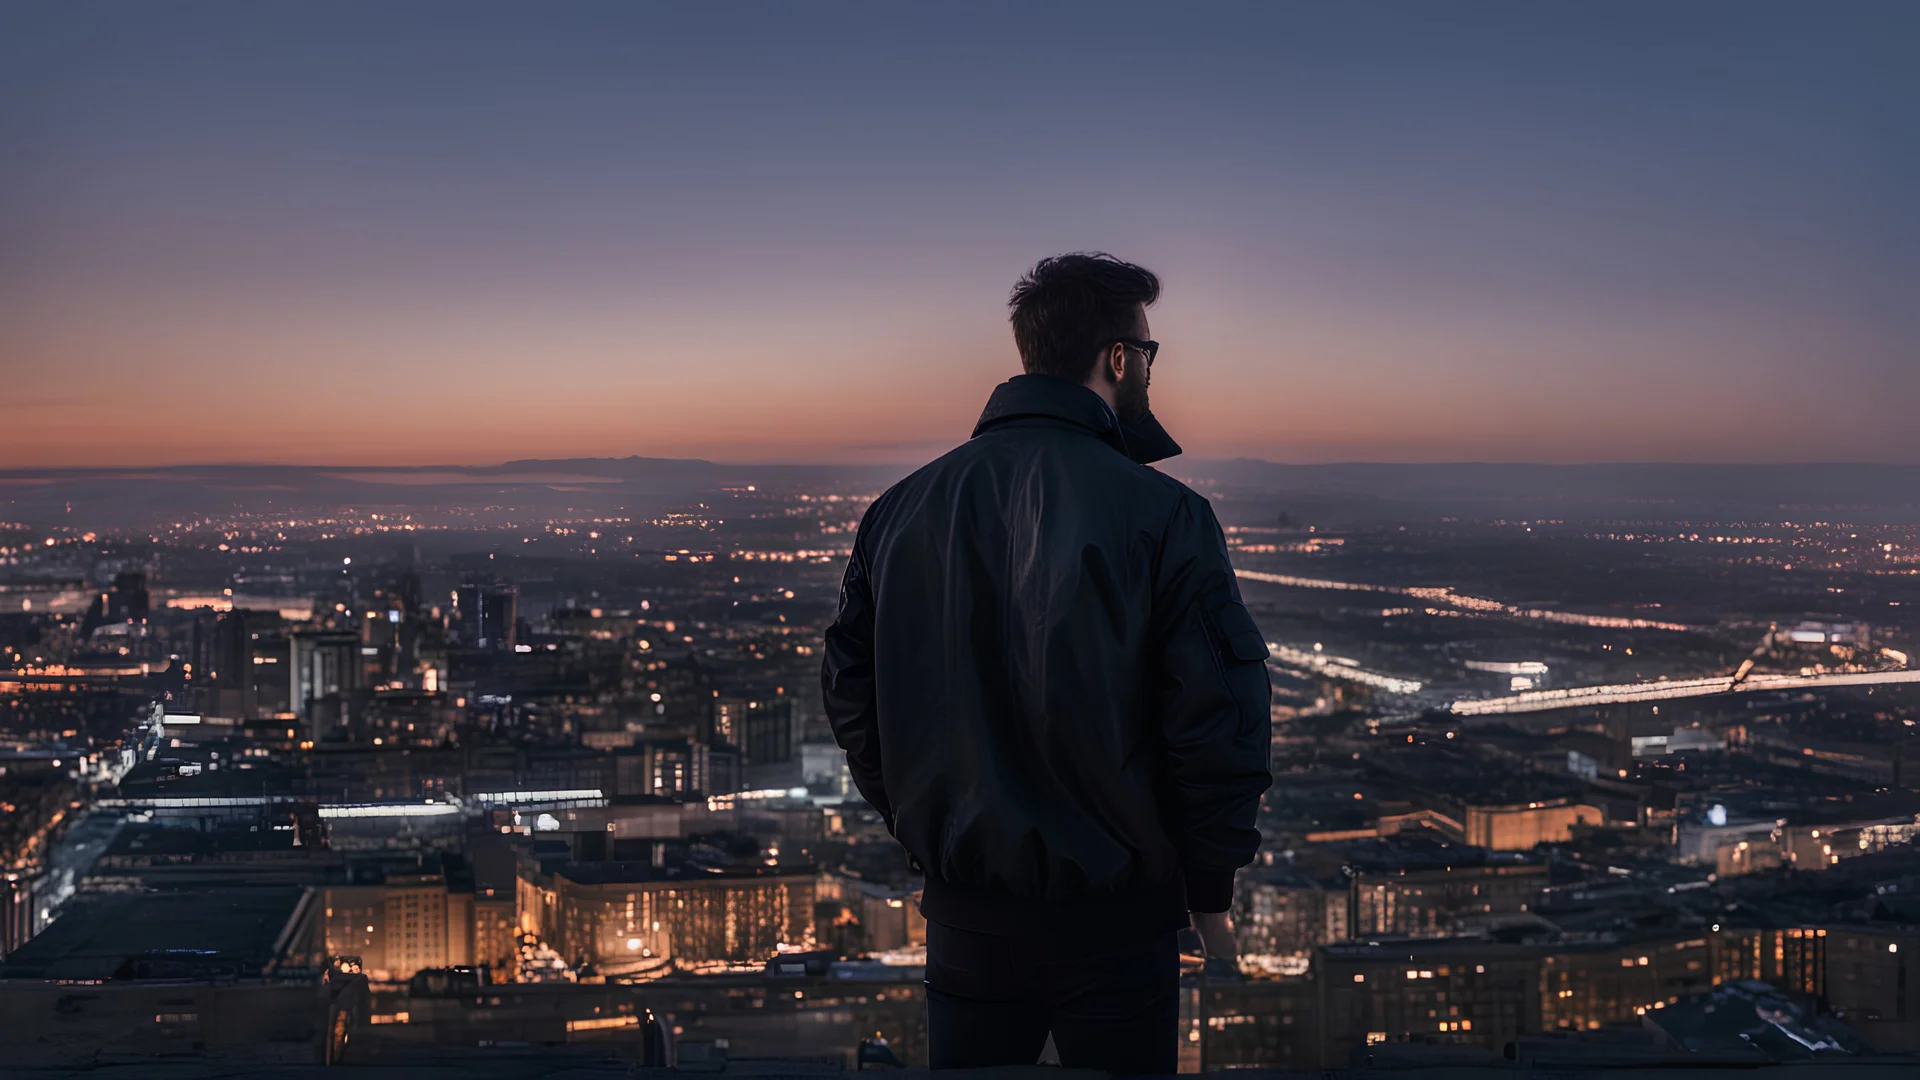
{"points": [[1216, 933]]}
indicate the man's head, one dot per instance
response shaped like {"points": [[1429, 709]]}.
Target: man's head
{"points": [[1084, 317]]}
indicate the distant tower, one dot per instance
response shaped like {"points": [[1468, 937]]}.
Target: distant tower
{"points": [[499, 614], [485, 612], [408, 592], [230, 656]]}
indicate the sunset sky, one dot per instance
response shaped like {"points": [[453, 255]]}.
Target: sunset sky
{"points": [[409, 233]]}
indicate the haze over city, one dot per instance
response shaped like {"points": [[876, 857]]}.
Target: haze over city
{"points": [[384, 234]]}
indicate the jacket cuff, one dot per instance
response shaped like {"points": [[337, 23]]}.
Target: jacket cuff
{"points": [[1209, 891]]}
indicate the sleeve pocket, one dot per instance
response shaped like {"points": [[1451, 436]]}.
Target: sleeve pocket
{"points": [[1240, 638]]}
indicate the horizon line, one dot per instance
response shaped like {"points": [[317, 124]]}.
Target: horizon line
{"points": [[48, 470]]}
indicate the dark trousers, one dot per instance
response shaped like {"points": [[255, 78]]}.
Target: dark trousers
{"points": [[991, 1000]]}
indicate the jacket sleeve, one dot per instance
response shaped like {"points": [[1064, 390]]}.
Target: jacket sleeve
{"points": [[1214, 705], [846, 681]]}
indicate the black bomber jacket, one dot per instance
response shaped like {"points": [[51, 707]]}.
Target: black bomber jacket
{"points": [[1044, 678]]}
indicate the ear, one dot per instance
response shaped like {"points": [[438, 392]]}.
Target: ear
{"points": [[1115, 362]]}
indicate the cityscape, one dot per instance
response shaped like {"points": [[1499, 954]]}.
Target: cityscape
{"points": [[619, 539], [494, 760]]}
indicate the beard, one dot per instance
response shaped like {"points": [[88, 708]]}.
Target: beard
{"points": [[1130, 395]]}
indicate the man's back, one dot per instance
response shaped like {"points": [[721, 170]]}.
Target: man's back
{"points": [[1067, 702], [1045, 681]]}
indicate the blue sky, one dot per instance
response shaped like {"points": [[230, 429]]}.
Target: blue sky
{"points": [[415, 233]]}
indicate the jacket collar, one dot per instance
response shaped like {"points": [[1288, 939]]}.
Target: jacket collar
{"points": [[1027, 396], [1147, 441]]}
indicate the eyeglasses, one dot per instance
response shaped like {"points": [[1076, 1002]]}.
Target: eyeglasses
{"points": [[1146, 348]]}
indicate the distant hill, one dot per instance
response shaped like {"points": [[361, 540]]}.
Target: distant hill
{"points": [[122, 497], [1880, 493], [1357, 491]]}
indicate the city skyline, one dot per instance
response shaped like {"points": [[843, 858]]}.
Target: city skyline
{"points": [[535, 761], [369, 235]]}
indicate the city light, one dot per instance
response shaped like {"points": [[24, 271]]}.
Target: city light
{"points": [[390, 810]]}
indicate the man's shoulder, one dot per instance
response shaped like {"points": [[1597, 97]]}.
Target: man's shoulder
{"points": [[1173, 488], [914, 485], [1163, 494], [925, 476]]}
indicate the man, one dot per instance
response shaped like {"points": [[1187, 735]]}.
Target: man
{"points": [[1046, 683]]}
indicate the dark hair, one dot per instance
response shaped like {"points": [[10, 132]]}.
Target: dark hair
{"points": [[1069, 307]]}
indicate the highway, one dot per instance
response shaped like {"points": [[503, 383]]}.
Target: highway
{"points": [[1460, 603], [1311, 664], [1624, 693], [1742, 681]]}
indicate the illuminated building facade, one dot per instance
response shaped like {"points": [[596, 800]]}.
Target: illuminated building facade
{"points": [[1584, 989], [1466, 991], [1792, 958], [1269, 1023], [1526, 826], [675, 769], [1441, 902], [634, 917], [397, 928], [1277, 913]]}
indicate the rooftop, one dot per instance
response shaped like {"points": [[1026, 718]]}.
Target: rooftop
{"points": [[234, 931]]}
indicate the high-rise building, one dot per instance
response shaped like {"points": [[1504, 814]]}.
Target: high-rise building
{"points": [[326, 665], [272, 662], [673, 769], [729, 721], [230, 657], [767, 737], [16, 912], [485, 614]]}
